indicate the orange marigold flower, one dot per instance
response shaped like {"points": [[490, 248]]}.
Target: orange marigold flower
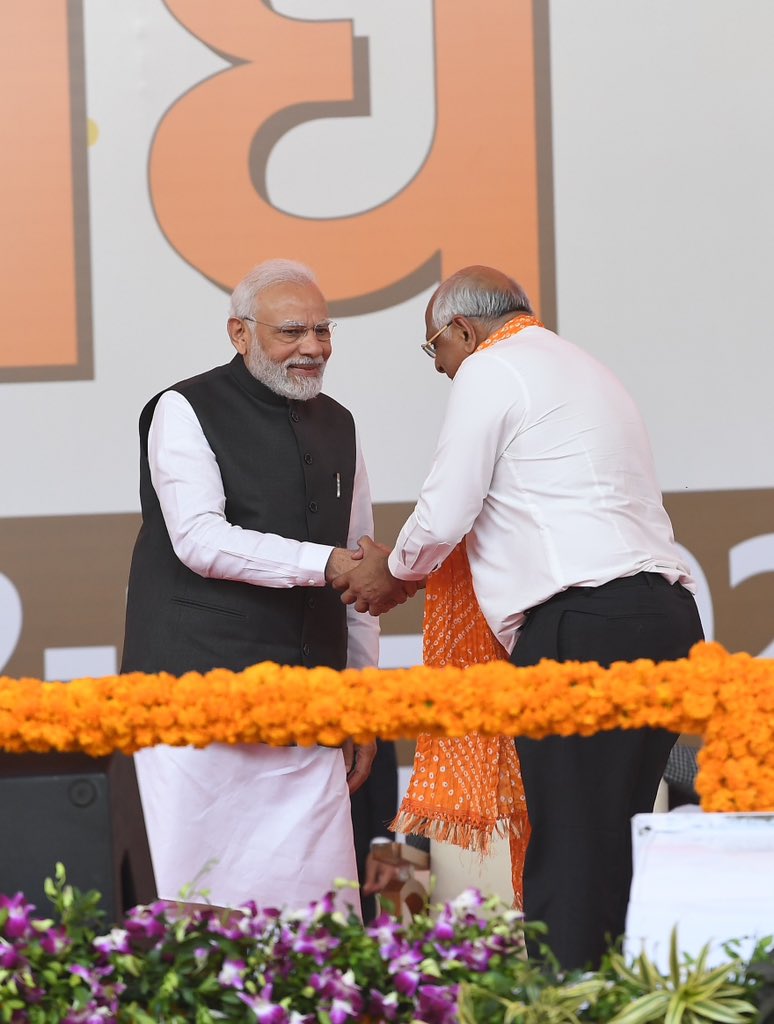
{"points": [[729, 698]]}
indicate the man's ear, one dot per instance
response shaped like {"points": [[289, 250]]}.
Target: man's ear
{"points": [[466, 333], [238, 333]]}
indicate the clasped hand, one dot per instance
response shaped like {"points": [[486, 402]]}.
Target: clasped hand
{"points": [[369, 585]]}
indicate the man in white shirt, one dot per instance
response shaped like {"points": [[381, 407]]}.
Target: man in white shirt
{"points": [[544, 465], [253, 489]]}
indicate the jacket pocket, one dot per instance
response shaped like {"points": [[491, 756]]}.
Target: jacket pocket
{"points": [[201, 606]]}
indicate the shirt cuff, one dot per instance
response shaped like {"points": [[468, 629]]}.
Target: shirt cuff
{"points": [[311, 564], [399, 571]]}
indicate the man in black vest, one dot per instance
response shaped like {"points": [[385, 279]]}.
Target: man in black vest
{"points": [[253, 493]]}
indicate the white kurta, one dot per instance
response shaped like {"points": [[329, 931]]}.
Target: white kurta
{"points": [[271, 824], [245, 823]]}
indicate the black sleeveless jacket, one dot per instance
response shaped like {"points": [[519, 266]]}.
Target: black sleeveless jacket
{"points": [[288, 468]]}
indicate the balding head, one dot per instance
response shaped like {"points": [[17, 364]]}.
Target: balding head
{"points": [[477, 292]]}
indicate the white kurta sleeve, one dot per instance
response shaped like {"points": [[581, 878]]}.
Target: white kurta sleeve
{"points": [[187, 480], [363, 644], [474, 434]]}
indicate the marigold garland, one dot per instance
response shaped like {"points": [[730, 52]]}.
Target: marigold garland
{"points": [[727, 698]]}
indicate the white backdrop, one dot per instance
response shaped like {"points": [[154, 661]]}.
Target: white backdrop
{"points": [[663, 158], [663, 154]]}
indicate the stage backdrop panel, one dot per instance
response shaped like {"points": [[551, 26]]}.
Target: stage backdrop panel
{"points": [[614, 157], [63, 585]]}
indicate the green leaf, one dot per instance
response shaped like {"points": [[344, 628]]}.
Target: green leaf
{"points": [[675, 1010], [624, 971], [701, 961], [721, 971], [41, 925], [431, 968], [13, 1004], [646, 1008], [170, 983], [731, 1012], [674, 960], [136, 1015], [129, 963], [650, 974]]}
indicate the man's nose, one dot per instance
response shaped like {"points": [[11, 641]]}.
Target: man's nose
{"points": [[311, 344]]}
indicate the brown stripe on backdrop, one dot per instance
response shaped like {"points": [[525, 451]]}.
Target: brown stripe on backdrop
{"points": [[70, 573]]}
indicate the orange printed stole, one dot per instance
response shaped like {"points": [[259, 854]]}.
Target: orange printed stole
{"points": [[463, 790]]}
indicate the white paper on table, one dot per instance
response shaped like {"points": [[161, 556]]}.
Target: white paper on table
{"points": [[712, 875]]}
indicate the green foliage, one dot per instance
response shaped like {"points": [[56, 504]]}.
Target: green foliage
{"points": [[626, 991], [525, 997], [462, 962], [690, 993], [759, 980], [38, 987]]}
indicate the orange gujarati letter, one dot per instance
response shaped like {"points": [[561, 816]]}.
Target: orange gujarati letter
{"points": [[474, 200], [44, 261]]}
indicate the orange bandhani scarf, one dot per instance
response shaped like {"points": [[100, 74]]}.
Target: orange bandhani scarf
{"points": [[464, 790]]}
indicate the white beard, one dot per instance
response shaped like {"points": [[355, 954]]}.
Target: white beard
{"points": [[276, 377]]}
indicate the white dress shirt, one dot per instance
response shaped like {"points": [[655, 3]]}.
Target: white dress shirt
{"points": [[245, 822], [543, 461]]}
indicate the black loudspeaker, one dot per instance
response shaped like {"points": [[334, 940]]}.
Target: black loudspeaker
{"points": [[82, 811]]}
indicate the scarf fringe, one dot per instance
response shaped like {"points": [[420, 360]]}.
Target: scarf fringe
{"points": [[468, 835]]}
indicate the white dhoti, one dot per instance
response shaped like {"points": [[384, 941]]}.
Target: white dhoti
{"points": [[239, 823]]}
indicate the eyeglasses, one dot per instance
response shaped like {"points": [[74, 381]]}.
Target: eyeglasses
{"points": [[429, 345], [294, 332]]}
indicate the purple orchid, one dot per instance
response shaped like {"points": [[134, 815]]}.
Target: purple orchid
{"points": [[315, 945], [93, 976], [437, 1004], [381, 1006], [308, 965], [386, 931], [10, 958], [266, 1012], [18, 923], [346, 999], [116, 941], [232, 973], [90, 1015], [147, 922], [55, 941]]}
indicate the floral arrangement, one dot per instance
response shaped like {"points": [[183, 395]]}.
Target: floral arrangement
{"points": [[464, 963], [212, 965], [727, 698]]}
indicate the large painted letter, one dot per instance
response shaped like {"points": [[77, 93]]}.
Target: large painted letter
{"points": [[474, 200], [44, 260]]}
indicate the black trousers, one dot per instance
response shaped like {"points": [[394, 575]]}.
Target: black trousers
{"points": [[373, 807], [583, 791]]}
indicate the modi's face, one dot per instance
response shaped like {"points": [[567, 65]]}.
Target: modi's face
{"points": [[289, 340]]}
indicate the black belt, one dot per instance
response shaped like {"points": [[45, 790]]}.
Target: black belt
{"points": [[640, 579]]}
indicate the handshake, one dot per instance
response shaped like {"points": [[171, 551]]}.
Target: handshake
{"points": [[364, 579]]}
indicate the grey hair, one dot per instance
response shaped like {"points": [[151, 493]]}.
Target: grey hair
{"points": [[463, 295], [245, 296]]}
